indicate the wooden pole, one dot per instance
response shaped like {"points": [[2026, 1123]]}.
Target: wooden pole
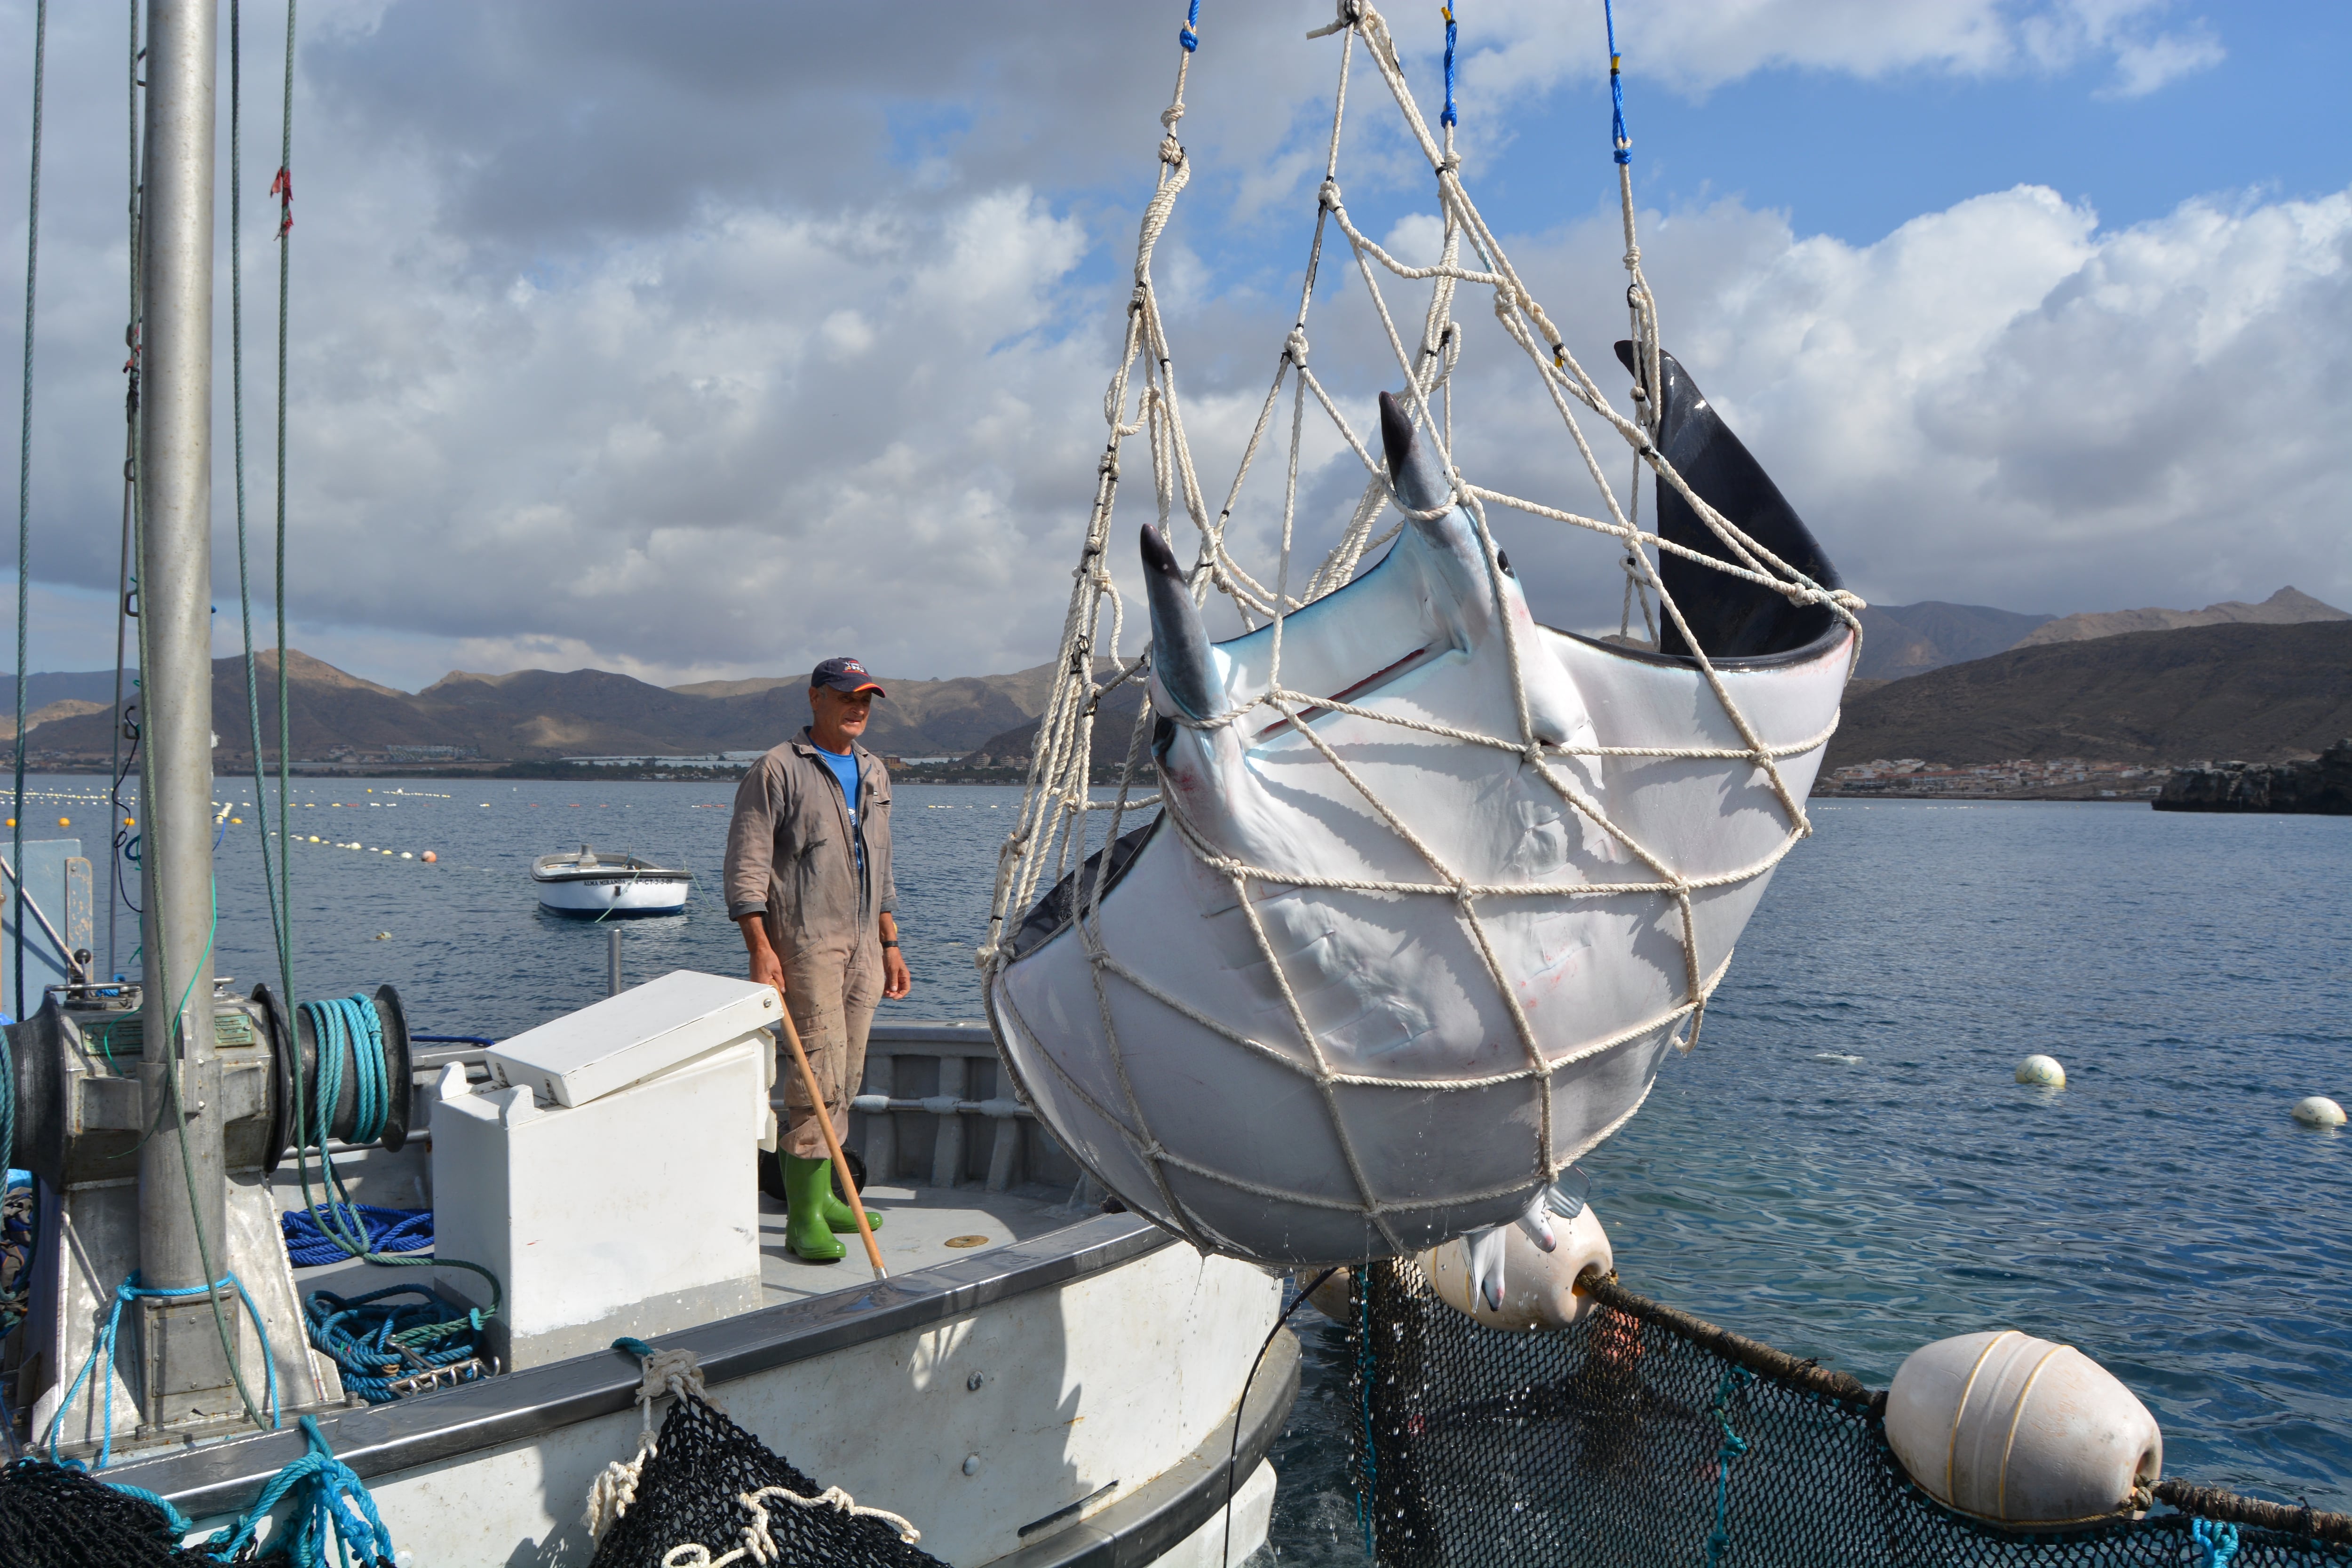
{"points": [[833, 1145]]}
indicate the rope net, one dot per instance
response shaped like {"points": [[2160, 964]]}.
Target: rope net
{"points": [[1575, 770], [709, 1493], [1640, 1436]]}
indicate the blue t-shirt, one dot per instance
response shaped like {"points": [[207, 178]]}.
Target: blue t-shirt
{"points": [[845, 774]]}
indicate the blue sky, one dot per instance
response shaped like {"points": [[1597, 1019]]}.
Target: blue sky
{"points": [[710, 339]]}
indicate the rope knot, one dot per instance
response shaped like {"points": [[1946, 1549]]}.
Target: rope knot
{"points": [[1294, 347], [1172, 152], [1450, 163], [1328, 194]]}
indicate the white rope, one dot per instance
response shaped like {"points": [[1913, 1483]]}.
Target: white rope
{"points": [[1048, 842], [668, 1374], [759, 1544]]}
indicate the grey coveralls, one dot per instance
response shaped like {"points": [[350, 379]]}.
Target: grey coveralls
{"points": [[789, 855]]}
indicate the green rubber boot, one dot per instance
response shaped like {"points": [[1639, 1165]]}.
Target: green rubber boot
{"points": [[808, 1186], [839, 1214]]}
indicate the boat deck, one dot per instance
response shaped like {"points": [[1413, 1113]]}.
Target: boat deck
{"points": [[919, 1225]]}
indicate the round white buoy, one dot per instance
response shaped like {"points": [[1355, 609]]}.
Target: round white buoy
{"points": [[2022, 1432], [1334, 1297], [2043, 1072], [1538, 1286], [2318, 1111]]}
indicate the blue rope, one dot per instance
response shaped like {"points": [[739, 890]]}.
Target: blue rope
{"points": [[393, 1230], [333, 1502], [2216, 1542], [1623, 143], [131, 1290], [376, 1341], [1718, 1540], [180, 1523], [1617, 90], [1189, 36], [1448, 118]]}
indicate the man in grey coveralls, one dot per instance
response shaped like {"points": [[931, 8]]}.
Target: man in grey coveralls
{"points": [[808, 880]]}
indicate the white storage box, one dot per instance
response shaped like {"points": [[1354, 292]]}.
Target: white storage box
{"points": [[576, 1058], [637, 1212]]}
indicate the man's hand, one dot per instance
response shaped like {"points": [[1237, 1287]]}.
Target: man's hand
{"points": [[895, 981], [766, 967]]}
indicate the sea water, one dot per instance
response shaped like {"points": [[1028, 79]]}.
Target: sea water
{"points": [[1843, 1166]]}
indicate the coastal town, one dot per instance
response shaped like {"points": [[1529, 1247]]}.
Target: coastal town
{"points": [[2058, 778]]}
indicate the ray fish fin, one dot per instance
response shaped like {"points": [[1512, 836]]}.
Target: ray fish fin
{"points": [[1180, 665], [1730, 618]]}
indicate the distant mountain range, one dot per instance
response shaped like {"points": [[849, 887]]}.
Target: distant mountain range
{"points": [[2241, 691], [1900, 640], [540, 715], [1952, 683]]}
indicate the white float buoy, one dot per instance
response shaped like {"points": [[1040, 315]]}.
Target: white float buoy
{"points": [[1538, 1286], [2318, 1111], [2019, 1431], [1334, 1297], [2043, 1072]]}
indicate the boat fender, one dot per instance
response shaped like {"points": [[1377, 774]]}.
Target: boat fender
{"points": [[2318, 1111], [2041, 1072], [1538, 1291], [2022, 1433]]}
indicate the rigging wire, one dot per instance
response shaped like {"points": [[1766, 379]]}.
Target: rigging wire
{"points": [[118, 830], [24, 487], [270, 862]]}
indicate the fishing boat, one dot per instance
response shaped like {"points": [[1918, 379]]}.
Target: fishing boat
{"points": [[1026, 1378], [601, 886]]}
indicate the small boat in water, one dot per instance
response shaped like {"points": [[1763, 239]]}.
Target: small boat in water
{"points": [[590, 884]]}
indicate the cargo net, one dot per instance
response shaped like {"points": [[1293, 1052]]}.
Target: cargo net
{"points": [[1097, 683], [55, 1515], [708, 1493], [1642, 1436]]}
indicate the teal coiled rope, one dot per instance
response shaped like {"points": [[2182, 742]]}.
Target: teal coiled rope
{"points": [[350, 1027]]}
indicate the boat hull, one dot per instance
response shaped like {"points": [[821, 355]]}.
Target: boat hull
{"points": [[620, 894], [1048, 1360]]}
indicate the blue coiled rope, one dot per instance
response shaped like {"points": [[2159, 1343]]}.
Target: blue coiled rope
{"points": [[130, 1290], [390, 1229], [369, 1337]]}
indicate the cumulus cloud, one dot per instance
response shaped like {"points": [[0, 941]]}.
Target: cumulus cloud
{"points": [[705, 340]]}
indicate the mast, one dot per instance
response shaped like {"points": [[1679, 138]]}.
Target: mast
{"points": [[186, 1370]]}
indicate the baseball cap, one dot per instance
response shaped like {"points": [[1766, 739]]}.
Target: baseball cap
{"points": [[844, 675]]}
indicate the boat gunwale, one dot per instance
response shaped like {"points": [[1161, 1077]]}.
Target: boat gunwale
{"points": [[384, 1439]]}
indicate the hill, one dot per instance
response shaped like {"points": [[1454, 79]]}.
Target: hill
{"points": [[1899, 640], [2236, 691], [537, 714], [2288, 606]]}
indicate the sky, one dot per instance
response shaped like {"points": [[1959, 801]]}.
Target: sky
{"points": [[711, 338]]}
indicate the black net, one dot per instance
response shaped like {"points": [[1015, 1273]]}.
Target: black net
{"points": [[692, 1491], [51, 1516], [1641, 1437]]}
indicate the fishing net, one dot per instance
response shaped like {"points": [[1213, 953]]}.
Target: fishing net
{"points": [[710, 1484], [54, 1515], [1642, 1436]]}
